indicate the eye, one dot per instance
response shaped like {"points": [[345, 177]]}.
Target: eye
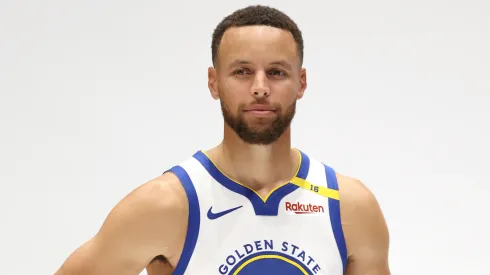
{"points": [[241, 72], [276, 72]]}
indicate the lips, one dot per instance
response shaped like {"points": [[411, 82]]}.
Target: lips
{"points": [[260, 108]]}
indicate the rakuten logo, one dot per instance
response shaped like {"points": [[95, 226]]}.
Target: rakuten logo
{"points": [[299, 208]]}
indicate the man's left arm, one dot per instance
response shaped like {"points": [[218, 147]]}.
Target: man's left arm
{"points": [[365, 230]]}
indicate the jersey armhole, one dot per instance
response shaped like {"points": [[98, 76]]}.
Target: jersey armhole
{"points": [[335, 219], [194, 220]]}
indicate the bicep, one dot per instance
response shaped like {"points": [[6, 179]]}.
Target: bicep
{"points": [[367, 235], [370, 246], [369, 250]]}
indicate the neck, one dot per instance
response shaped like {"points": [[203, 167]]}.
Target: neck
{"points": [[260, 167]]}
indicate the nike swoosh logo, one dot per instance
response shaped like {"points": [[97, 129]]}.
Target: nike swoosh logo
{"points": [[213, 216]]}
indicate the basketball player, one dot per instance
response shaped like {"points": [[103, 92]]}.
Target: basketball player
{"points": [[252, 205]]}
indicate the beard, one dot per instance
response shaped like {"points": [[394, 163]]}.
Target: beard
{"points": [[265, 131]]}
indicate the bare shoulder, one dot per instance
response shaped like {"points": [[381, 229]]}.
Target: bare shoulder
{"points": [[162, 193], [148, 222], [354, 193], [364, 226], [359, 208], [356, 199], [157, 209]]}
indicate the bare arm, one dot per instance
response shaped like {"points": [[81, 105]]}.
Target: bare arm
{"points": [[150, 221], [365, 230]]}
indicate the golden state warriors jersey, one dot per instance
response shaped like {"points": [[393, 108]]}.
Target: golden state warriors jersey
{"points": [[232, 230]]}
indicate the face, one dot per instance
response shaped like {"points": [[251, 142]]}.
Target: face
{"points": [[258, 78]]}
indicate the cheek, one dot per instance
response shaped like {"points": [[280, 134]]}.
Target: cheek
{"points": [[285, 92], [288, 85], [227, 100], [236, 87], [232, 95]]}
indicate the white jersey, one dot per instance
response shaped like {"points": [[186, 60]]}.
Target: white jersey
{"points": [[295, 230]]}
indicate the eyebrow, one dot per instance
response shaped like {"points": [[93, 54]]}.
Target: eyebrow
{"points": [[282, 63]]}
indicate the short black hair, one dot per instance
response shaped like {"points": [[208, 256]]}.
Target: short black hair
{"points": [[256, 15]]}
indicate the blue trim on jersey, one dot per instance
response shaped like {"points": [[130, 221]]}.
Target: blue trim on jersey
{"points": [[271, 206], [335, 221], [194, 219]]}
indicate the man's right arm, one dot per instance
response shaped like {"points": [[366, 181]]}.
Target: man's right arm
{"points": [[150, 221]]}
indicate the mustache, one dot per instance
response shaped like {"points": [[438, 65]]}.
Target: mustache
{"points": [[265, 102], [260, 102]]}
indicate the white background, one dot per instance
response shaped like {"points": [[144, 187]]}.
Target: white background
{"points": [[398, 97]]}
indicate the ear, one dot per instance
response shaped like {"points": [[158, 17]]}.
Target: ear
{"points": [[302, 83], [213, 82]]}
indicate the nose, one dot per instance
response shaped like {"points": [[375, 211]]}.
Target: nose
{"points": [[260, 86]]}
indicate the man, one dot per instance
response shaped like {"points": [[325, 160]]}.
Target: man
{"points": [[251, 205]]}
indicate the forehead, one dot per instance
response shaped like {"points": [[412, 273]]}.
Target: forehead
{"points": [[257, 43]]}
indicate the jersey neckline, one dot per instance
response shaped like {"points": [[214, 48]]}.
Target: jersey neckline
{"points": [[264, 206]]}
